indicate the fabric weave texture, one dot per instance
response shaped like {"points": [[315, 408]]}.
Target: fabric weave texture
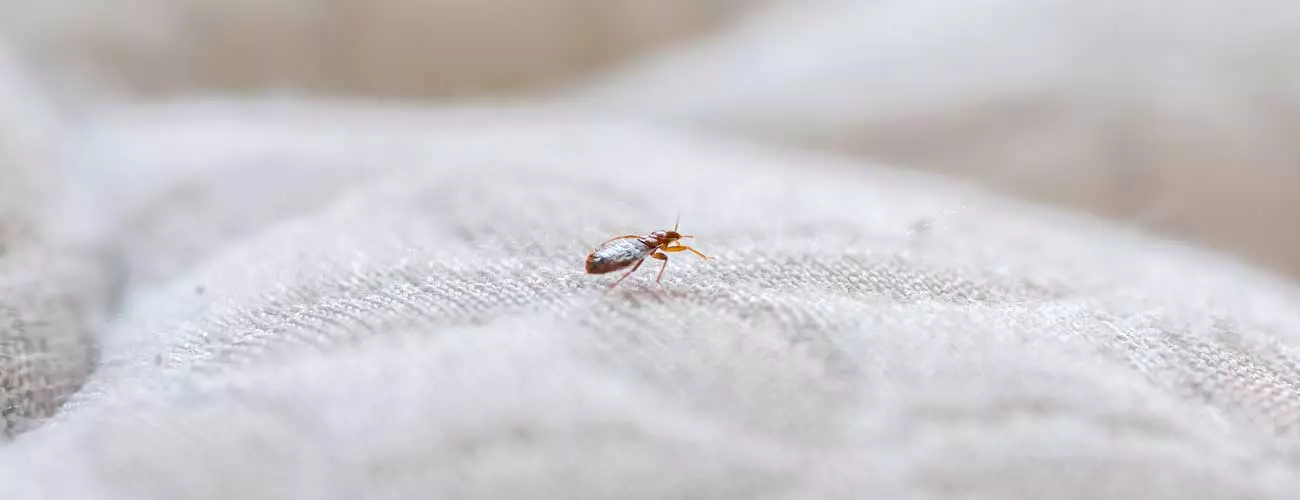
{"points": [[333, 302], [296, 298]]}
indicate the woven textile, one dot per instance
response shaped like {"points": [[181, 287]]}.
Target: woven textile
{"points": [[339, 303], [49, 292]]}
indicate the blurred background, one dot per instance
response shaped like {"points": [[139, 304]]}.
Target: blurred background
{"points": [[1182, 120]]}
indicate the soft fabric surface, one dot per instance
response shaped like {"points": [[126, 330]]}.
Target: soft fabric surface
{"points": [[50, 290], [310, 299], [1181, 120], [333, 302]]}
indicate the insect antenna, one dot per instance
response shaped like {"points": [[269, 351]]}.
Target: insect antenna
{"points": [[678, 222]]}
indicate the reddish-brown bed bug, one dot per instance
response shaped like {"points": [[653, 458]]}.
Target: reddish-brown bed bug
{"points": [[631, 250]]}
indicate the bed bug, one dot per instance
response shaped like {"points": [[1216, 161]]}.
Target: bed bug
{"points": [[631, 250]]}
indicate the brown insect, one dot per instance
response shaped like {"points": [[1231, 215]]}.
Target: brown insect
{"points": [[631, 250]]}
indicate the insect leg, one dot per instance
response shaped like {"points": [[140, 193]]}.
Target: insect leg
{"points": [[680, 247], [663, 257], [697, 252], [625, 275]]}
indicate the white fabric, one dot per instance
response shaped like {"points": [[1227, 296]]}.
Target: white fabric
{"points": [[1180, 119], [336, 303], [311, 300], [50, 292]]}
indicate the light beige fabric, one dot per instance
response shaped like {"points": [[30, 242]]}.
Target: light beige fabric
{"points": [[50, 292], [311, 300], [336, 303], [392, 48], [1180, 119]]}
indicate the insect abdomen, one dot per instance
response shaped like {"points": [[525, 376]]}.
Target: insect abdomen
{"points": [[615, 255]]}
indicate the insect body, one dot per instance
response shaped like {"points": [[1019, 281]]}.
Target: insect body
{"points": [[631, 250]]}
